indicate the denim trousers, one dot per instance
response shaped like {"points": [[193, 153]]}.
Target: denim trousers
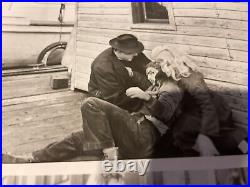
{"points": [[104, 125]]}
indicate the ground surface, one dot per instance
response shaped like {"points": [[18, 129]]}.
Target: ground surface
{"points": [[34, 115]]}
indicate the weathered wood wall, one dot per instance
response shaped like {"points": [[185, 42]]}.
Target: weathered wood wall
{"points": [[216, 34]]}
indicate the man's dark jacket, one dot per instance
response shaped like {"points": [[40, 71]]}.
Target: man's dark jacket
{"points": [[109, 79]]}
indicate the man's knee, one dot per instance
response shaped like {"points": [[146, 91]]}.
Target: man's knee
{"points": [[89, 103]]}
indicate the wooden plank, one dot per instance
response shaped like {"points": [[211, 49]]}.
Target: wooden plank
{"points": [[221, 75], [102, 32], [31, 76], [241, 56], [242, 6], [202, 13], [228, 88], [93, 39], [236, 103], [106, 18], [104, 25], [98, 37], [48, 101], [27, 99], [212, 5], [104, 11], [213, 32], [237, 45], [185, 40], [83, 64], [209, 52], [240, 117], [181, 30], [189, 5], [104, 5], [34, 71], [227, 65], [211, 13], [213, 23], [67, 123], [31, 69], [8, 92], [192, 50], [20, 117], [226, 14], [82, 81], [40, 133], [92, 46], [88, 53]]}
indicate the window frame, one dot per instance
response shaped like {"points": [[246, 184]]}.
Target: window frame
{"points": [[148, 20], [139, 22]]}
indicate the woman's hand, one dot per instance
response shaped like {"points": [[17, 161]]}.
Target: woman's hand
{"points": [[135, 92], [205, 146]]}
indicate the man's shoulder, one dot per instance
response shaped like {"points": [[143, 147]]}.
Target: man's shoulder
{"points": [[104, 57], [103, 62]]}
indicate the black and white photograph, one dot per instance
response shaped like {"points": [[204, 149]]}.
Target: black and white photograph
{"points": [[125, 92]]}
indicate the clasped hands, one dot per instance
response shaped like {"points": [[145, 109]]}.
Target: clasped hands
{"points": [[135, 92]]}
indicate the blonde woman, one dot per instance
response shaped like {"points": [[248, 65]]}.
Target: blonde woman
{"points": [[206, 121]]}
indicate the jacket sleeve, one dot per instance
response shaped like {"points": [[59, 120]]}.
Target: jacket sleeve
{"points": [[110, 90], [198, 89], [165, 106], [140, 80]]}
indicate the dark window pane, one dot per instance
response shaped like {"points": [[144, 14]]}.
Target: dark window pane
{"points": [[155, 11]]}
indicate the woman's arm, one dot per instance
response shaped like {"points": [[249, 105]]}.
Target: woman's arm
{"points": [[170, 97], [197, 87]]}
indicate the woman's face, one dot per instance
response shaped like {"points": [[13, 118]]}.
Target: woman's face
{"points": [[151, 74], [165, 58]]}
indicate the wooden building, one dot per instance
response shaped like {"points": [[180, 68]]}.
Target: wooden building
{"points": [[215, 33]]}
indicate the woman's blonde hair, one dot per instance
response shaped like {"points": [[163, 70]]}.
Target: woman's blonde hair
{"points": [[181, 65]]}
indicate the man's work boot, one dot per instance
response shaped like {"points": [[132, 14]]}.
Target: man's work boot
{"points": [[9, 159]]}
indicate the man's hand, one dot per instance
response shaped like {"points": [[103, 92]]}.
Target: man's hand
{"points": [[205, 146], [135, 92], [130, 72]]}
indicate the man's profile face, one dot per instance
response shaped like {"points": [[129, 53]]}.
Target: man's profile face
{"points": [[125, 56], [151, 73]]}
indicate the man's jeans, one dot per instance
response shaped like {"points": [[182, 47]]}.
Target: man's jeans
{"points": [[104, 125]]}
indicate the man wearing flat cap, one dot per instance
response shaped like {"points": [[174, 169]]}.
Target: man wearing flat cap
{"points": [[112, 72]]}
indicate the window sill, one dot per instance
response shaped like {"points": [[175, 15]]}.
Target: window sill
{"points": [[153, 26]]}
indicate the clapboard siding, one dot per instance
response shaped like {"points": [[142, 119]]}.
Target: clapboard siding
{"points": [[208, 13], [104, 5], [101, 18], [242, 7], [212, 23], [175, 38], [215, 34], [104, 11]]}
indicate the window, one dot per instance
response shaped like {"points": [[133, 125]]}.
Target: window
{"points": [[153, 15]]}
